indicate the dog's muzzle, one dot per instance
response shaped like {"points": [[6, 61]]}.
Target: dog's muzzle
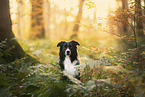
{"points": [[67, 52]]}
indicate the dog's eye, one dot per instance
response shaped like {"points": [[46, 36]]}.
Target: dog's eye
{"points": [[64, 47]]}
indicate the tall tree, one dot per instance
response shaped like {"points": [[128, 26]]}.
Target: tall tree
{"points": [[6, 33], [37, 25], [125, 25], [20, 14], [94, 18], [78, 19], [139, 33], [46, 17], [144, 7], [65, 19], [139, 21]]}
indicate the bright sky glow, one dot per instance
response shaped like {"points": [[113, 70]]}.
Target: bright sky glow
{"points": [[65, 4], [70, 19], [13, 9], [102, 7], [26, 1]]}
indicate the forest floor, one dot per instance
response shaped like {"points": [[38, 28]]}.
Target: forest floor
{"points": [[105, 71]]}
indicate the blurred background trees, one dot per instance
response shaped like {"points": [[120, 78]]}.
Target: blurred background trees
{"points": [[139, 18], [37, 23], [103, 21], [52, 19], [78, 19]]}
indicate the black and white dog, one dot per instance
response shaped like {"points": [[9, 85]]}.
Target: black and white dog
{"points": [[68, 58]]}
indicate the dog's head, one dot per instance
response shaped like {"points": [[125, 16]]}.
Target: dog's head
{"points": [[68, 48]]}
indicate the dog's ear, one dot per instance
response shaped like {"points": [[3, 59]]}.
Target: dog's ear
{"points": [[60, 43], [75, 42]]}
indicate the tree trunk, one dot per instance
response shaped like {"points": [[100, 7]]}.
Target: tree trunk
{"points": [[139, 33], [78, 19], [47, 17], [144, 7], [6, 33], [139, 21], [20, 14], [37, 26], [125, 26], [66, 23], [94, 18]]}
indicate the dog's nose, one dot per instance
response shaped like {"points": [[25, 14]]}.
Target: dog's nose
{"points": [[68, 52]]}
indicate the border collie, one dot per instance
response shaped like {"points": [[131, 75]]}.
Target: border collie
{"points": [[68, 58]]}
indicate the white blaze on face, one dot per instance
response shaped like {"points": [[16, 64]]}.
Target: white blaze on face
{"points": [[69, 67], [67, 51]]}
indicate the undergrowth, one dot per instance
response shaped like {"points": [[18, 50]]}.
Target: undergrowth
{"points": [[104, 72]]}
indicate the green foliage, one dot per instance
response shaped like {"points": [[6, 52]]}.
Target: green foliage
{"points": [[4, 53], [4, 81], [106, 72]]}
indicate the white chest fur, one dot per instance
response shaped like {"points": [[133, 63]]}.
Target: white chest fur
{"points": [[70, 67]]}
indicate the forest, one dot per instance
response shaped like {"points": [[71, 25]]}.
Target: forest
{"points": [[111, 34]]}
